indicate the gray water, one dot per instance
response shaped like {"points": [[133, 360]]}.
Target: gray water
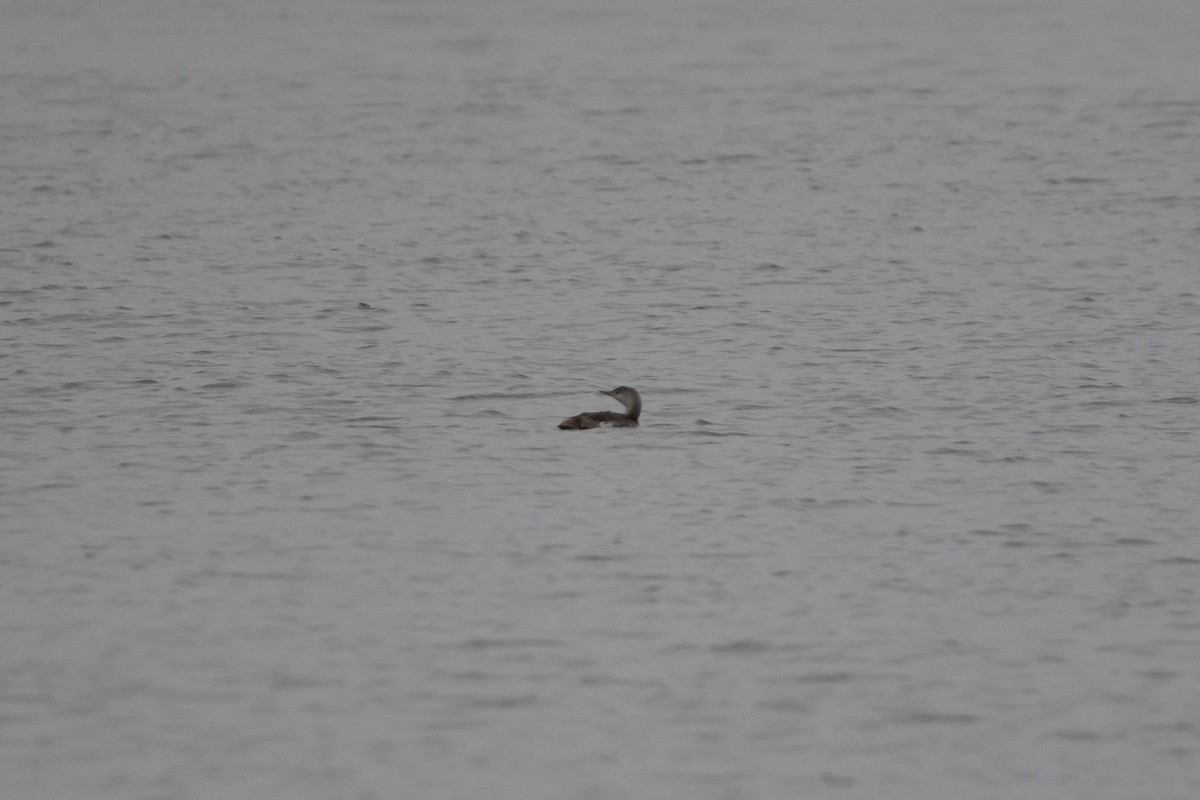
{"points": [[292, 296]]}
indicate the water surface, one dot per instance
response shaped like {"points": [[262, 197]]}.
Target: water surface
{"points": [[293, 297]]}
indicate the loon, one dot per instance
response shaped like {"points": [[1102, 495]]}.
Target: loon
{"points": [[626, 396]]}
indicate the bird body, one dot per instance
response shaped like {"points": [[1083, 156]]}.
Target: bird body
{"points": [[626, 396]]}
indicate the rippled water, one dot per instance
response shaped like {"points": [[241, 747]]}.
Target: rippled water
{"points": [[293, 297]]}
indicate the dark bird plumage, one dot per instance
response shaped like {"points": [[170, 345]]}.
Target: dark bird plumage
{"points": [[626, 396]]}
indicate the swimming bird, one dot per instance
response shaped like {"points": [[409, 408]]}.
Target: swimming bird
{"points": [[626, 396]]}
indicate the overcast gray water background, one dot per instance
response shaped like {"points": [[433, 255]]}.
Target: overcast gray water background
{"points": [[292, 296]]}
